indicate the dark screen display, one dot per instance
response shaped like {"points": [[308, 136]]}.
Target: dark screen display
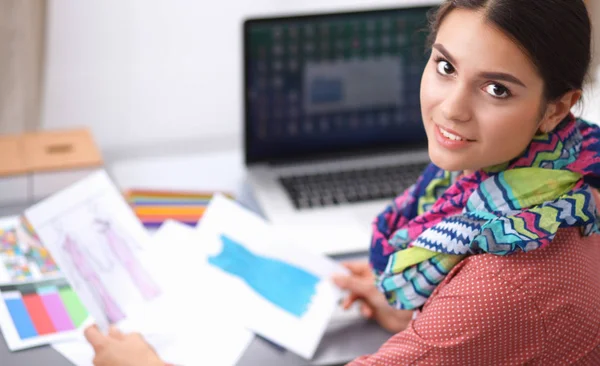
{"points": [[332, 83]]}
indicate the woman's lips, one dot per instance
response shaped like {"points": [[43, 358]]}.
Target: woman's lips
{"points": [[451, 139]]}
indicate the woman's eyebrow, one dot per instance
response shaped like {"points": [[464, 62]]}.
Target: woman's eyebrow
{"points": [[445, 53], [501, 76]]}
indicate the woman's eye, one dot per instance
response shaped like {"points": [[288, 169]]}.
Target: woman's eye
{"points": [[497, 91], [445, 68]]}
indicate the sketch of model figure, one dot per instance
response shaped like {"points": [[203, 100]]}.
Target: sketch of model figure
{"points": [[123, 252], [84, 266]]}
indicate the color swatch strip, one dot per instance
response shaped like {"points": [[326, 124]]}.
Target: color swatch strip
{"points": [[45, 310], [154, 207]]}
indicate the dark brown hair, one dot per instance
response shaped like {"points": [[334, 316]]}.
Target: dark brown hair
{"points": [[555, 34]]}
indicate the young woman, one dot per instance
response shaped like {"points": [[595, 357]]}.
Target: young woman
{"points": [[492, 257]]}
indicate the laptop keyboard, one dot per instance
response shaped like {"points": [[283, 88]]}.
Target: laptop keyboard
{"points": [[351, 186]]}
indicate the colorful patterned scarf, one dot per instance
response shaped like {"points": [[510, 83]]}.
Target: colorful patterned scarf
{"points": [[517, 206]]}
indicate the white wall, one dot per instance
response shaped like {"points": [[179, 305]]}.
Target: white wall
{"points": [[155, 72]]}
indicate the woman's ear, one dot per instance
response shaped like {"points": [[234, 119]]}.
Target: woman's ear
{"points": [[557, 110]]}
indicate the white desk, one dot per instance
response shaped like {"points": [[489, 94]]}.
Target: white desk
{"points": [[207, 171], [346, 338]]}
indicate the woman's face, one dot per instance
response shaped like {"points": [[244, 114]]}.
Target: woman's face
{"points": [[481, 96]]}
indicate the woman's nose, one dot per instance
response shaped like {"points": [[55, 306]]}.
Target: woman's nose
{"points": [[456, 106]]}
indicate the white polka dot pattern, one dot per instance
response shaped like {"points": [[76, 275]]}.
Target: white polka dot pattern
{"points": [[536, 308]]}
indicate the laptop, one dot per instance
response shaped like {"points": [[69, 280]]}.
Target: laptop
{"points": [[333, 128]]}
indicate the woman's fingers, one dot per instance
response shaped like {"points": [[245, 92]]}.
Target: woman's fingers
{"points": [[348, 301], [360, 286], [358, 268], [357, 286], [114, 332], [366, 310], [96, 339]]}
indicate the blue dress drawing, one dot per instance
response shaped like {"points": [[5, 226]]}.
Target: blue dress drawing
{"points": [[284, 285]]}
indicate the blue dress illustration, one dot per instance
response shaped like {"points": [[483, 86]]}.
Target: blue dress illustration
{"points": [[284, 285]]}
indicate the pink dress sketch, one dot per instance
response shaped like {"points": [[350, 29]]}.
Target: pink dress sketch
{"points": [[87, 272], [127, 258]]}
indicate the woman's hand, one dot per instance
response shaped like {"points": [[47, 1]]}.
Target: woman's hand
{"points": [[361, 284], [118, 349]]}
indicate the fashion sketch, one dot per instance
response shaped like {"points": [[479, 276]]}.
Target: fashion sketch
{"points": [[88, 267], [121, 250]]}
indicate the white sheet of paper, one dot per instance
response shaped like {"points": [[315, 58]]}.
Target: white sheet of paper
{"points": [[206, 329], [190, 346], [187, 325], [96, 240], [299, 334], [79, 352], [8, 221]]}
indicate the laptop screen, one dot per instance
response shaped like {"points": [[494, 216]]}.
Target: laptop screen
{"points": [[333, 83]]}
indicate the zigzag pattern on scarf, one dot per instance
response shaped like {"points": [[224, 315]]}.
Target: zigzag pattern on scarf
{"points": [[392, 217], [511, 207], [452, 236], [416, 284], [435, 189], [505, 234], [552, 151]]}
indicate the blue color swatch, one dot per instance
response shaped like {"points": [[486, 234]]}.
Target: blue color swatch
{"points": [[20, 315], [286, 286]]}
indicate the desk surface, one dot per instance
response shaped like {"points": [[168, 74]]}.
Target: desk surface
{"points": [[347, 336]]}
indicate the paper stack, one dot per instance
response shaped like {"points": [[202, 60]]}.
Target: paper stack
{"points": [[198, 294]]}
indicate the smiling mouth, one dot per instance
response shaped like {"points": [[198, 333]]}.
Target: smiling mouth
{"points": [[452, 136]]}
